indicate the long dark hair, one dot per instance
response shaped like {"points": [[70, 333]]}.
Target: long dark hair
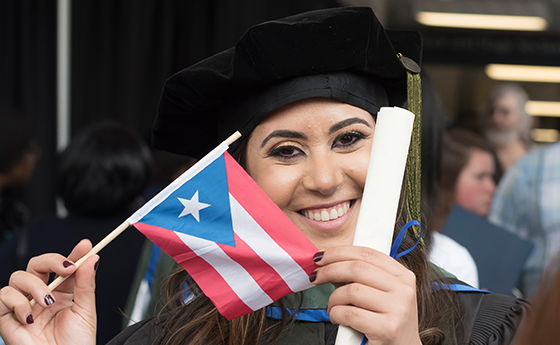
{"points": [[199, 322]]}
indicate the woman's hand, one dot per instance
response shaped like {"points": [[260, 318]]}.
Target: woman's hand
{"points": [[63, 316], [376, 295]]}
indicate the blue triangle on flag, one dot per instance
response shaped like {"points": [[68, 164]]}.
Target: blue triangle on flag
{"points": [[200, 207]]}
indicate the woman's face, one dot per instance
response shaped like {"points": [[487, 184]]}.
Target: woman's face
{"points": [[311, 158], [475, 185]]}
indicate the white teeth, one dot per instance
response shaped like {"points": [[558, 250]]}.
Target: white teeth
{"points": [[325, 215]]}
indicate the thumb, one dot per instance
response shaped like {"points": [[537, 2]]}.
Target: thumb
{"points": [[84, 290]]}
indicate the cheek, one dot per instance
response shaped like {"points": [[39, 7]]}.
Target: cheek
{"points": [[467, 192], [356, 168], [278, 183]]}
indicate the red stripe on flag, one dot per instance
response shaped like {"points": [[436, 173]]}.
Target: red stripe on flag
{"points": [[279, 227], [207, 278], [266, 277]]}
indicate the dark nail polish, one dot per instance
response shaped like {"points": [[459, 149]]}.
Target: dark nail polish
{"points": [[49, 300], [318, 256], [313, 276], [29, 319], [67, 264], [96, 265]]}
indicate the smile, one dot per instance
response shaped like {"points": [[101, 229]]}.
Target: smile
{"points": [[327, 214]]}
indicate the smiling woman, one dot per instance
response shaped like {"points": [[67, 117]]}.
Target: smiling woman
{"points": [[304, 91], [310, 158]]}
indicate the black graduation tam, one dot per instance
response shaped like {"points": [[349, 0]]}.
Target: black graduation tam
{"points": [[342, 53]]}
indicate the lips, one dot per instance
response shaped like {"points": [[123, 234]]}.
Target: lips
{"points": [[328, 213]]}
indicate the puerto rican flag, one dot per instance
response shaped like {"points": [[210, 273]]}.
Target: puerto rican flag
{"points": [[239, 247]]}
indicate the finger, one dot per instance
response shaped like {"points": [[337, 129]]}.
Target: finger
{"points": [[378, 328], [361, 296], [28, 284], [81, 249], [355, 272], [41, 266], [352, 316], [374, 326], [12, 301], [350, 253], [84, 289]]}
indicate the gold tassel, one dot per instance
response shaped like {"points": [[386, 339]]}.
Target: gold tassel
{"points": [[413, 177]]}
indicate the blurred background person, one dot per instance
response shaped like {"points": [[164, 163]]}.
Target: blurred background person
{"points": [[17, 162], [470, 172], [468, 178], [101, 177], [506, 124], [444, 251], [527, 202]]}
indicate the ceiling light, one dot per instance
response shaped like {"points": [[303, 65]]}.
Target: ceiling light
{"points": [[546, 74], [482, 21], [543, 108], [545, 135]]}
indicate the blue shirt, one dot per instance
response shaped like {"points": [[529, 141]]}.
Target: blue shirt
{"points": [[527, 202]]}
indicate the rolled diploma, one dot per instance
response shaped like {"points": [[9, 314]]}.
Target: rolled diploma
{"points": [[380, 200]]}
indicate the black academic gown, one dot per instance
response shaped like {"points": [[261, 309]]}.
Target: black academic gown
{"points": [[488, 319]]}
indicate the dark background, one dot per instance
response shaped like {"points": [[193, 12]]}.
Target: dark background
{"points": [[123, 50]]}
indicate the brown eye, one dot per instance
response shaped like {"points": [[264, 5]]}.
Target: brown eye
{"points": [[286, 152], [348, 139]]}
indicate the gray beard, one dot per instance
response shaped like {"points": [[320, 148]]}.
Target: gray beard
{"points": [[498, 137]]}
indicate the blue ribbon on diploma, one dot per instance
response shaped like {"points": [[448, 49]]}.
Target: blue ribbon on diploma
{"points": [[400, 237]]}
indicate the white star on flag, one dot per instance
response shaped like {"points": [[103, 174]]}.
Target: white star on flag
{"points": [[192, 207]]}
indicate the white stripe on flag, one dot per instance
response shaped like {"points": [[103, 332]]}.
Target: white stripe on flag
{"points": [[254, 235], [179, 181], [239, 280]]}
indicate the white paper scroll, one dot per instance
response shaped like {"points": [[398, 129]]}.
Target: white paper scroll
{"points": [[376, 221]]}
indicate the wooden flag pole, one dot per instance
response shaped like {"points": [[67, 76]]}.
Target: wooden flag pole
{"points": [[105, 241], [112, 235], [232, 138]]}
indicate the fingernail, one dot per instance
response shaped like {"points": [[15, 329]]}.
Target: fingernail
{"points": [[29, 319], [318, 256], [96, 265], [313, 276], [49, 300], [67, 264]]}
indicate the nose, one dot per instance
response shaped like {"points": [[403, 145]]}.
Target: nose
{"points": [[323, 175]]}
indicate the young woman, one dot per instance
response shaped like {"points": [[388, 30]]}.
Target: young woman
{"points": [[470, 172], [304, 92]]}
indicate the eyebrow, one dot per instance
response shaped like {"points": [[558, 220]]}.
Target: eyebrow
{"points": [[284, 133], [347, 123]]}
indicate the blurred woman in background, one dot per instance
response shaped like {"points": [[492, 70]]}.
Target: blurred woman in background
{"points": [[470, 172]]}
